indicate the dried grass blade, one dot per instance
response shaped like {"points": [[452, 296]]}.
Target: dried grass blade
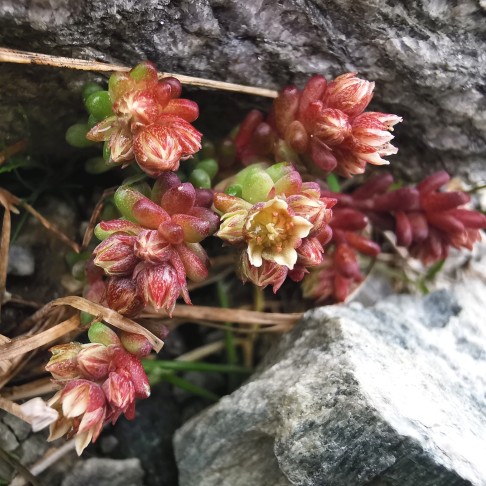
{"points": [[23, 57], [19, 346], [88, 234], [111, 317], [4, 247], [36, 388], [239, 316], [49, 226]]}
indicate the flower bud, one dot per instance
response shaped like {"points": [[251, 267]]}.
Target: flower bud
{"points": [[94, 361], [63, 363], [349, 94], [116, 255], [158, 285], [152, 248], [269, 273], [332, 127], [122, 296], [156, 150], [119, 390]]}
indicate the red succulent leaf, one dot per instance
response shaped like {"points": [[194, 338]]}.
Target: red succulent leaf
{"points": [[179, 199]]}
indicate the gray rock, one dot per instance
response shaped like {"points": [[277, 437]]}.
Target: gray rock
{"points": [[8, 441], [20, 261], [20, 428], [105, 472], [393, 394], [427, 57]]}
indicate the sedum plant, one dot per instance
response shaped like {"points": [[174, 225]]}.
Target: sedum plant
{"points": [[265, 193]]}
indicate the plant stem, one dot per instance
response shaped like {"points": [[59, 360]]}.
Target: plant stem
{"points": [[152, 365]]}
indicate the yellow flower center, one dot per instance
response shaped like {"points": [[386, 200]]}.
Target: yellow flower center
{"points": [[273, 233]]}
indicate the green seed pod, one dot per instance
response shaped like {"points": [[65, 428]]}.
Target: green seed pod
{"points": [[200, 179], [89, 89], [210, 166], [76, 135], [99, 105]]}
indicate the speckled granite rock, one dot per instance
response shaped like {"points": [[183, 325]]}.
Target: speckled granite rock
{"points": [[427, 57], [393, 394]]}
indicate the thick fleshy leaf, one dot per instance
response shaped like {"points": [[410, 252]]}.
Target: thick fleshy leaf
{"points": [[419, 225], [149, 214], [125, 198], [196, 268], [470, 219], [171, 232], [186, 109], [403, 229], [348, 219], [345, 261], [206, 215], [443, 201], [104, 229], [374, 186], [322, 156], [180, 199], [297, 137], [403, 199], [285, 108], [164, 182], [247, 127], [313, 91], [446, 222], [195, 229], [362, 244], [433, 182]]}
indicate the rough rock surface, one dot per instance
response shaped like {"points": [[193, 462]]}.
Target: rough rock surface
{"points": [[392, 394], [427, 57], [105, 472]]}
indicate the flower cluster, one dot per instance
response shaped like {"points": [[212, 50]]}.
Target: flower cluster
{"points": [[278, 222], [425, 220], [340, 270], [322, 127], [100, 382], [150, 124], [149, 255]]}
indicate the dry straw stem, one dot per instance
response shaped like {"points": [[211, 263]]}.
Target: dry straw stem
{"points": [[23, 57], [109, 316], [237, 316]]}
